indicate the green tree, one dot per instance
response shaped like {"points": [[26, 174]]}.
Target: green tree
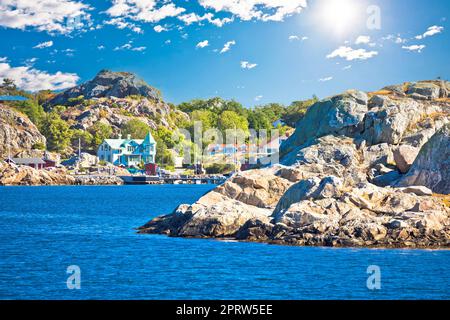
{"points": [[82, 137], [57, 132], [99, 131], [206, 117], [296, 111], [232, 120], [258, 119], [8, 85], [164, 157], [220, 168], [136, 128], [33, 110], [165, 136]]}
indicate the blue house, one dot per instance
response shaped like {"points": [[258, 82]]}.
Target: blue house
{"points": [[128, 152]]}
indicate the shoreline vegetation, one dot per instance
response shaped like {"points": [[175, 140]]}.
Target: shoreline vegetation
{"points": [[358, 169]]}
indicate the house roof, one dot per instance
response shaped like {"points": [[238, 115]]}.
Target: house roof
{"points": [[149, 139], [28, 161], [119, 143]]}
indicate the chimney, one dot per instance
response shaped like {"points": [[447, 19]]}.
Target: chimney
{"points": [[128, 136]]}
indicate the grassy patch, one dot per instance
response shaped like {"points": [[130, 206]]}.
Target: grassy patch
{"points": [[446, 100], [380, 93], [445, 199]]}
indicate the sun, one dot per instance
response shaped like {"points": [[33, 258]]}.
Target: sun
{"points": [[339, 16]]}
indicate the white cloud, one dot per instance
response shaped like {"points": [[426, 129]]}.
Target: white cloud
{"points": [[191, 18], [351, 54], [202, 44], [31, 79], [258, 98], [129, 46], [144, 10], [297, 38], [160, 28], [220, 22], [62, 16], [138, 48], [414, 48], [101, 47], [248, 65], [395, 38], [121, 23], [43, 45], [347, 67], [265, 10], [31, 61], [326, 79], [431, 31], [227, 46], [363, 40], [69, 52]]}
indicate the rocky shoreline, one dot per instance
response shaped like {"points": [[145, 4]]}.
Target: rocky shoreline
{"points": [[361, 170], [14, 175]]}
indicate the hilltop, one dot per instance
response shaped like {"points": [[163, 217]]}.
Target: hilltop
{"points": [[108, 84]]}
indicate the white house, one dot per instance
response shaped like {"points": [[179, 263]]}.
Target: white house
{"points": [[128, 152]]}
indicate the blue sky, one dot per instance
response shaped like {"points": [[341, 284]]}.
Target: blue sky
{"points": [[278, 51]]}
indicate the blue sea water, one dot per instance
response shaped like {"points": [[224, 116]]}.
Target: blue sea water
{"points": [[43, 230]]}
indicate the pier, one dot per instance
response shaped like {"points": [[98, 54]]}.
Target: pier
{"points": [[203, 179]]}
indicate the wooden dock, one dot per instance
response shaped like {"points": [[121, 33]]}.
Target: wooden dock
{"points": [[143, 180]]}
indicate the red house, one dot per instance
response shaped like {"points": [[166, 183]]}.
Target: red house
{"points": [[36, 163]]}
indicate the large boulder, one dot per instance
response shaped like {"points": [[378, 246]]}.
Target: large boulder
{"points": [[432, 166], [428, 90], [18, 135], [389, 124], [85, 161], [404, 157], [339, 115], [259, 188], [213, 215]]}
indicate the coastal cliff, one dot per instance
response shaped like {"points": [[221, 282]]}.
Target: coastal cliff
{"points": [[362, 169], [18, 135]]}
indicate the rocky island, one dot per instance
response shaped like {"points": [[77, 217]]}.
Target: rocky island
{"points": [[361, 170]]}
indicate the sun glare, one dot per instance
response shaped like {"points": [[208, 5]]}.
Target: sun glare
{"points": [[338, 15]]}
